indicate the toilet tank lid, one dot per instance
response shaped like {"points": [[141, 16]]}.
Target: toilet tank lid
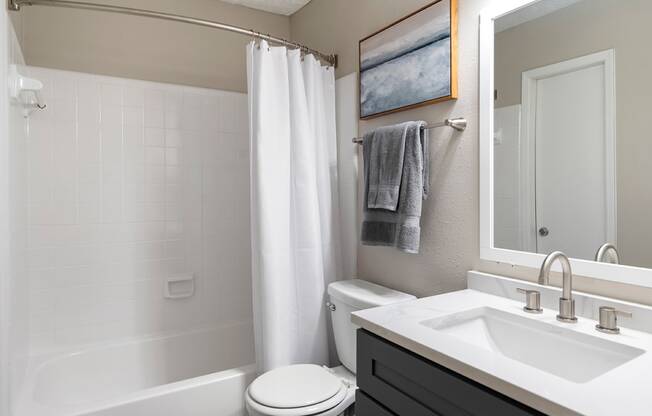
{"points": [[362, 294]]}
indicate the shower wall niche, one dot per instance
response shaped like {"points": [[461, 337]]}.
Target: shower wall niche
{"points": [[131, 183]]}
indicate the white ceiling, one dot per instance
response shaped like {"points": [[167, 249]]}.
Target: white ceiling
{"points": [[284, 7]]}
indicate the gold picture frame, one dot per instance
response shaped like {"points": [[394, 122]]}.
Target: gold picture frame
{"points": [[409, 63]]}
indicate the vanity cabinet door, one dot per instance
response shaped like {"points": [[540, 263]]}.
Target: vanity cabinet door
{"points": [[366, 406], [409, 385]]}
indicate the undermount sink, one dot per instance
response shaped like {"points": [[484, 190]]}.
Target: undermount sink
{"points": [[569, 354]]}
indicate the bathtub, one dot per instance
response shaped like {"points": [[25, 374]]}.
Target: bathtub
{"points": [[196, 373]]}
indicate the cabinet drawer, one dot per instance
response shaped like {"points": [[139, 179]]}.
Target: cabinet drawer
{"points": [[366, 406], [409, 385]]}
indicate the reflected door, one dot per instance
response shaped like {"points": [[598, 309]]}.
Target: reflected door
{"points": [[575, 201]]}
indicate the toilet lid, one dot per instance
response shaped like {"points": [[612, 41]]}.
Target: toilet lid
{"points": [[295, 386]]}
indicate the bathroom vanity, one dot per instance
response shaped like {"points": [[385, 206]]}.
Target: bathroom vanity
{"points": [[560, 85], [391, 377], [478, 352]]}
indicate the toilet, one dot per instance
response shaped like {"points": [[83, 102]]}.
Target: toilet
{"points": [[309, 389]]}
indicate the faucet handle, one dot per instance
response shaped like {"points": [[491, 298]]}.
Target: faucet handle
{"points": [[609, 319], [532, 300]]}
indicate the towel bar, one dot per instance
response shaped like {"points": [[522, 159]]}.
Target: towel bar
{"points": [[458, 124]]}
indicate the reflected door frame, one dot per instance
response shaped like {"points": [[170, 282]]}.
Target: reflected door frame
{"points": [[527, 184], [632, 275]]}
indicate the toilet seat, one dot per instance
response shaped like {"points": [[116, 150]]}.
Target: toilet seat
{"points": [[298, 390]]}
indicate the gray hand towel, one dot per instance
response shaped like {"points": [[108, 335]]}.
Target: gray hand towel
{"points": [[385, 148], [401, 228]]}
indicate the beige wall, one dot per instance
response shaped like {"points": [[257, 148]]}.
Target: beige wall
{"points": [[149, 49], [450, 217], [450, 237], [587, 27]]}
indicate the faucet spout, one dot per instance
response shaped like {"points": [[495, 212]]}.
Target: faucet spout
{"points": [[603, 252], [566, 302], [567, 275]]}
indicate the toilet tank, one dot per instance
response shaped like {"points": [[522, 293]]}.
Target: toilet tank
{"points": [[348, 296]]}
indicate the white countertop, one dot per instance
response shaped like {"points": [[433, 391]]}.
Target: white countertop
{"points": [[624, 390]]}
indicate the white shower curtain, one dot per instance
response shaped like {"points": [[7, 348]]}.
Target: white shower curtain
{"points": [[294, 200]]}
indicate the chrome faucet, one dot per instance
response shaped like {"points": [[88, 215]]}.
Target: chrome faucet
{"points": [[566, 301], [605, 249], [609, 321]]}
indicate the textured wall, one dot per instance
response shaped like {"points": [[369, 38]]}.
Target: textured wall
{"points": [[347, 156], [149, 49], [450, 217]]}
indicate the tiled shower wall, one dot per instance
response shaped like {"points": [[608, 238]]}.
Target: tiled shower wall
{"points": [[16, 202], [130, 183]]}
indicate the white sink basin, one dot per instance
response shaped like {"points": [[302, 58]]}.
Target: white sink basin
{"points": [[569, 354]]}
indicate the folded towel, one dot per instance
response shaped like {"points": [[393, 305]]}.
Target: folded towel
{"points": [[384, 150], [401, 228]]}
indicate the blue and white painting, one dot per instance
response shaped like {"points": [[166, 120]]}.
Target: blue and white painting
{"points": [[408, 63]]}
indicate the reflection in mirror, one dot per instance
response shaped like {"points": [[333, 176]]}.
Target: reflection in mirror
{"points": [[572, 141], [607, 253]]}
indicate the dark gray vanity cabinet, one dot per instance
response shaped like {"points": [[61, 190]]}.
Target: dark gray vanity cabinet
{"points": [[395, 382]]}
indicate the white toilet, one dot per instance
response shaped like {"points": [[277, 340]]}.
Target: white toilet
{"points": [[308, 389]]}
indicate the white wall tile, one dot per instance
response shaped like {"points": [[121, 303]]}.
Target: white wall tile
{"points": [[111, 94], [172, 156], [89, 143], [63, 109], [111, 115], [133, 116], [134, 95], [133, 135], [154, 155], [88, 212], [173, 138], [154, 97], [154, 117], [134, 154], [155, 175], [172, 174], [210, 106], [173, 109], [65, 87], [154, 192], [154, 136], [130, 182]]}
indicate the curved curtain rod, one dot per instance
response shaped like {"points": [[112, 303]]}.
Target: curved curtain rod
{"points": [[15, 5]]}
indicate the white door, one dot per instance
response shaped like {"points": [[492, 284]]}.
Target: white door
{"points": [[574, 155]]}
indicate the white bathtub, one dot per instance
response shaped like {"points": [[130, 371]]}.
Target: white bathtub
{"points": [[196, 373]]}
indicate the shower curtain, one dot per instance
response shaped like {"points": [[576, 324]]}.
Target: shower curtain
{"points": [[294, 203]]}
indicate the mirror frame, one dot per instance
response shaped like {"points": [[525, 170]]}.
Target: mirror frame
{"points": [[633, 275]]}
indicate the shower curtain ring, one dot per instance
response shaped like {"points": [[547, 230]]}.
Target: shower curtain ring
{"points": [[257, 39]]}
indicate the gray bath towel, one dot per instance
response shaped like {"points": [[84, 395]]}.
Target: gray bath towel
{"points": [[385, 148], [400, 228]]}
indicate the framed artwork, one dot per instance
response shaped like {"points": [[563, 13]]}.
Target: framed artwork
{"points": [[410, 63]]}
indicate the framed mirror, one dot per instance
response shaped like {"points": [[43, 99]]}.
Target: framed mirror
{"points": [[565, 148]]}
